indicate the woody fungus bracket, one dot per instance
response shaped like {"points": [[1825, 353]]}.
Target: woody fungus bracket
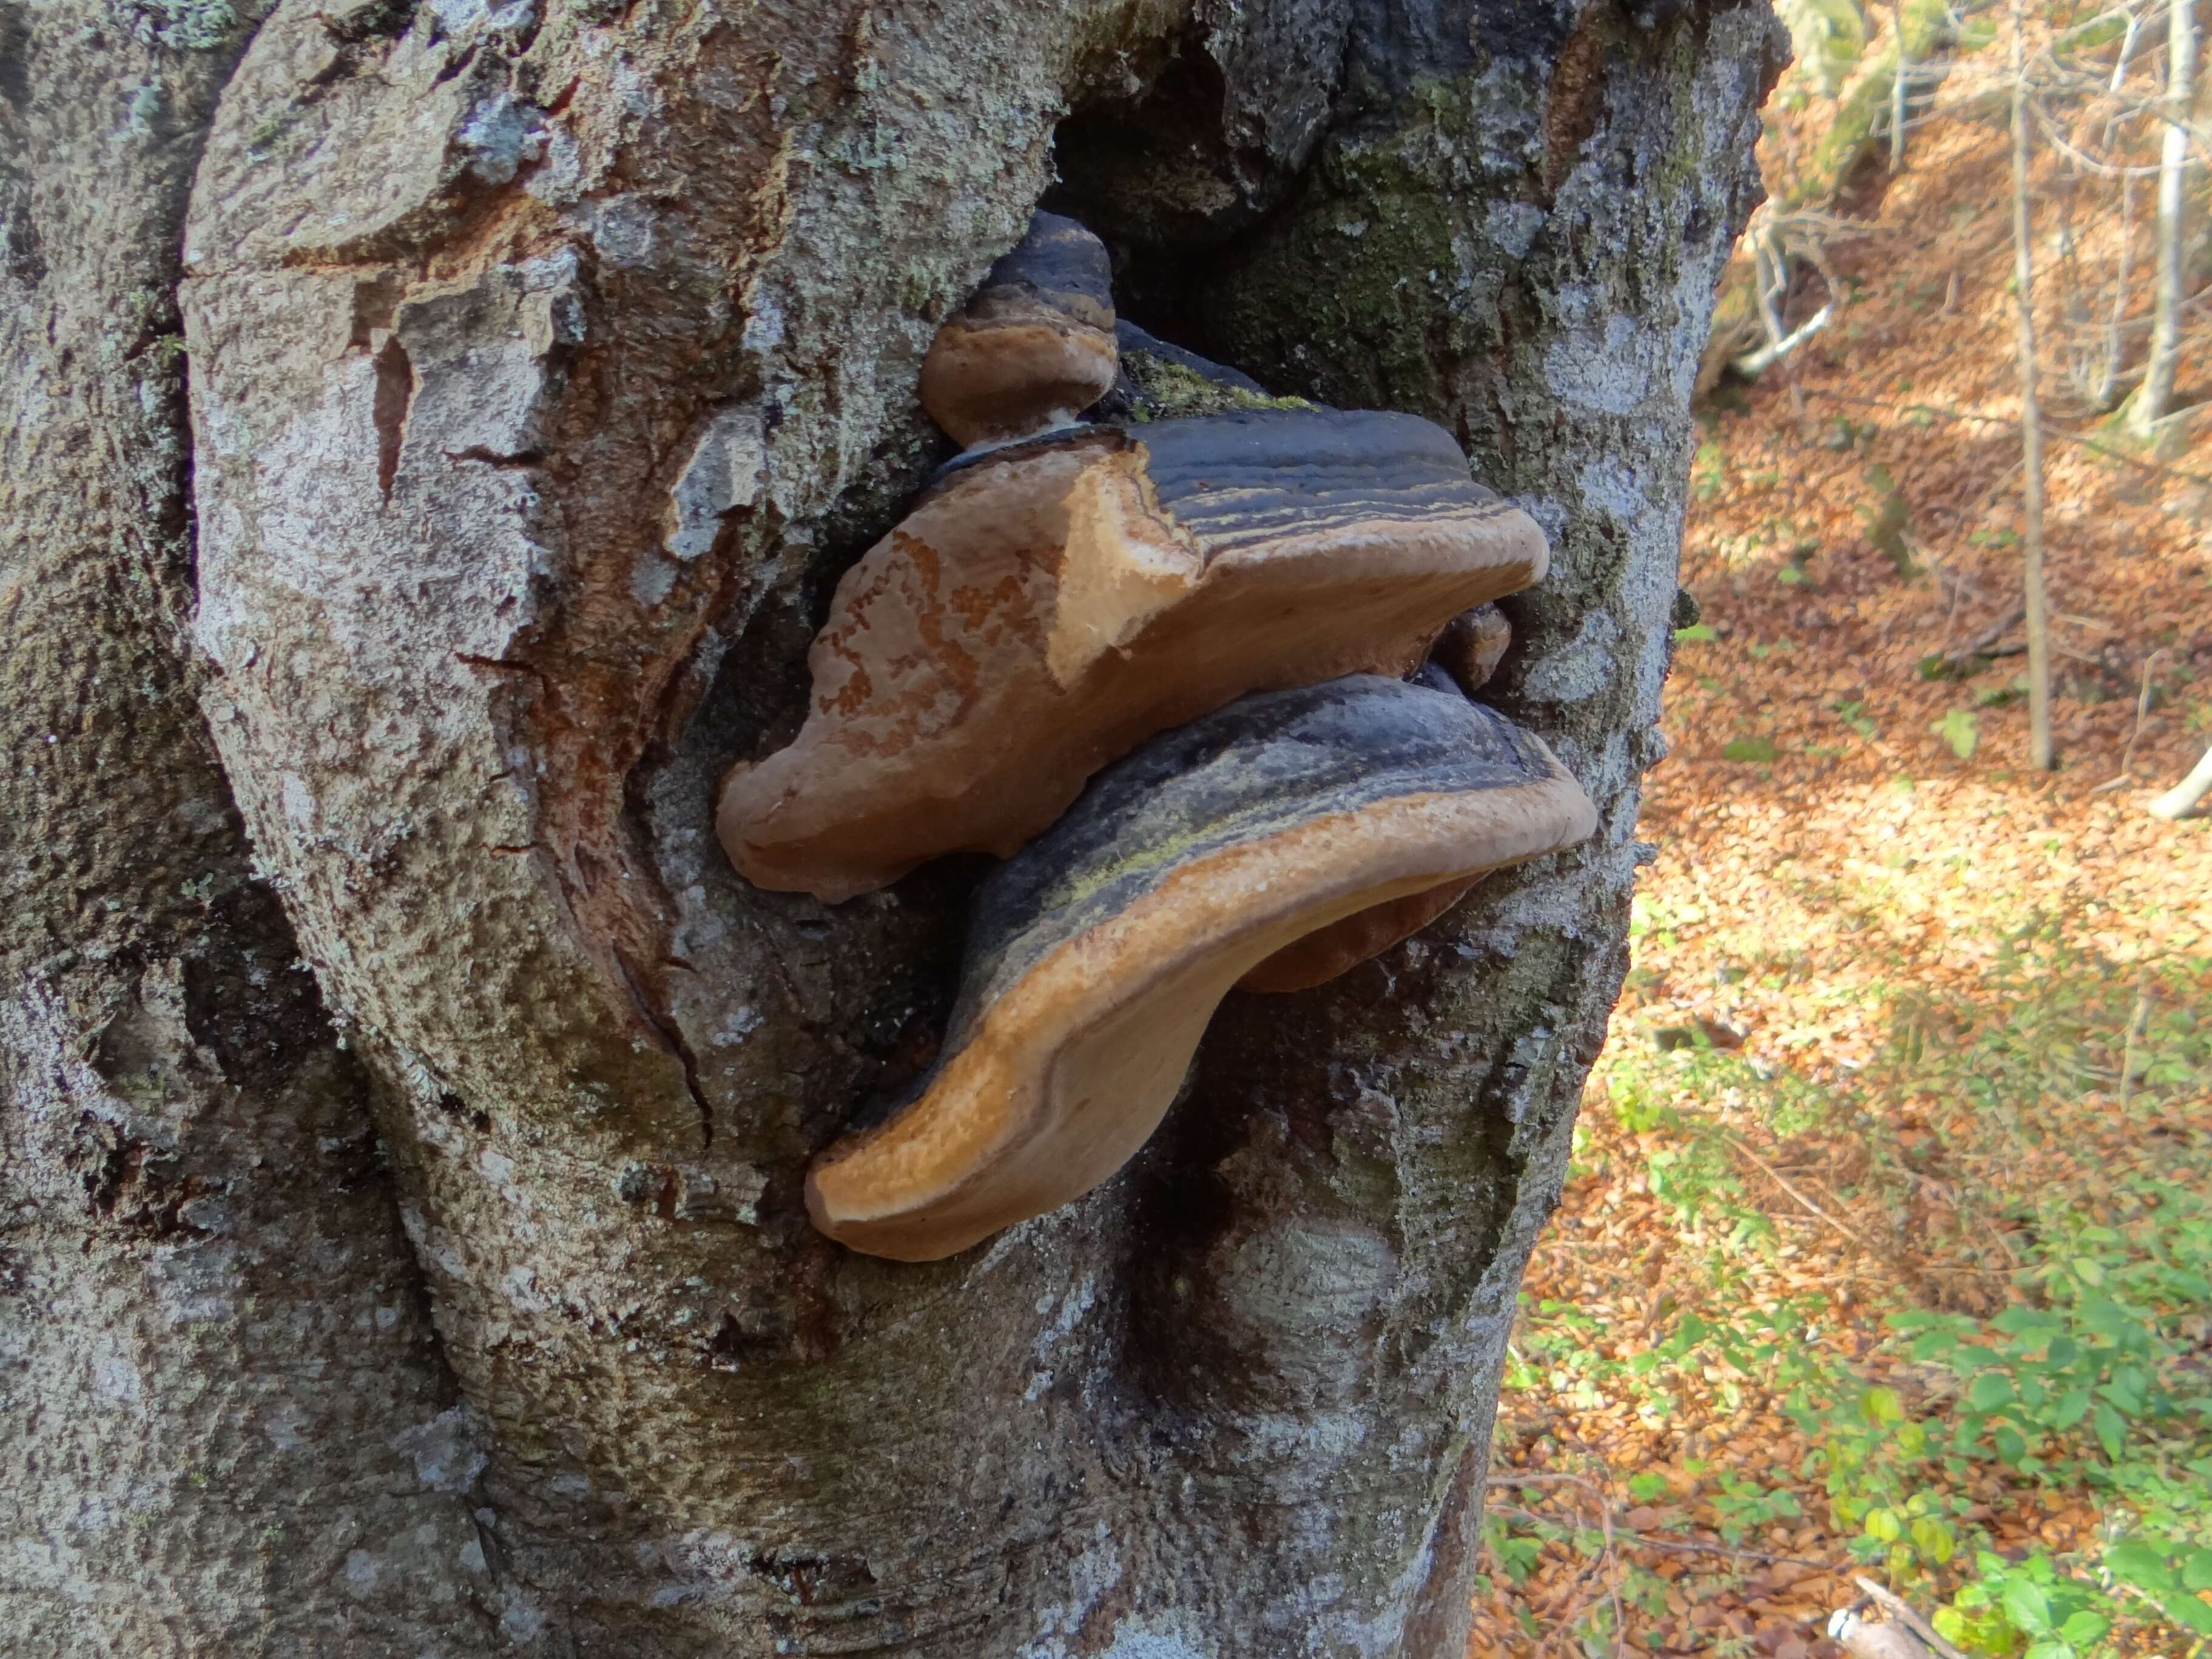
{"points": [[1158, 666]]}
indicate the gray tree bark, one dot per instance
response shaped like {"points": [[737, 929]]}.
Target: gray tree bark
{"points": [[2182, 799], [2153, 400], [406, 1105], [2042, 752]]}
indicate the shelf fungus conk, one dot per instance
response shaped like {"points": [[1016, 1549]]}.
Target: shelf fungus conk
{"points": [[1049, 604], [1034, 347], [1098, 952], [1472, 646]]}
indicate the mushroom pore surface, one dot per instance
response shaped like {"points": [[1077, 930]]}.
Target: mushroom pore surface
{"points": [[1048, 605], [1323, 954], [1097, 953]]}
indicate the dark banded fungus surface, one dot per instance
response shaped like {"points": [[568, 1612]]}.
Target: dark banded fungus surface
{"points": [[1035, 348], [1131, 341], [1051, 603], [1097, 953]]}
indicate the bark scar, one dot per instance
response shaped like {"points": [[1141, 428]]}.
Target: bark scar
{"points": [[669, 1038], [1575, 96], [395, 390]]}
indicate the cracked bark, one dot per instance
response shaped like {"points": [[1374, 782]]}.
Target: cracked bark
{"points": [[545, 371]]}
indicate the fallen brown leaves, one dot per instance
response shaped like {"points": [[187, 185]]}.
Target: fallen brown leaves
{"points": [[1854, 874]]}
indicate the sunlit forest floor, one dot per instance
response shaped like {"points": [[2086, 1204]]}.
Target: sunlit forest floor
{"points": [[1886, 1244]]}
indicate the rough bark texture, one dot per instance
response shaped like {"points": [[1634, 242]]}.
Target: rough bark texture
{"points": [[224, 1424], [546, 367]]}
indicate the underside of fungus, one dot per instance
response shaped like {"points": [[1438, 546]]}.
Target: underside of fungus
{"points": [[1098, 952], [1054, 602]]}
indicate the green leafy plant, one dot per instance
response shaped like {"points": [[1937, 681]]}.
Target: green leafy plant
{"points": [[1750, 750], [1708, 472], [2173, 1575], [1961, 729], [1853, 713], [2087, 1386], [2029, 1605]]}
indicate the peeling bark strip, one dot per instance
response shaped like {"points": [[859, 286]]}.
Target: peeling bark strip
{"points": [[547, 367]]}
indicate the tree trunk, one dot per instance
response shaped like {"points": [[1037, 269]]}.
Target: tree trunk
{"points": [[2035, 601], [225, 1424], [1900, 81], [403, 1247], [2184, 797], [2155, 397], [1922, 28]]}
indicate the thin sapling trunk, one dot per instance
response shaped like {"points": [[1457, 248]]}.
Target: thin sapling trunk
{"points": [[2030, 421], [2155, 399]]}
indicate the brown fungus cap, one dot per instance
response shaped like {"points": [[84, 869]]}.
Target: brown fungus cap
{"points": [[1034, 347], [1472, 646], [1097, 954], [1049, 606]]}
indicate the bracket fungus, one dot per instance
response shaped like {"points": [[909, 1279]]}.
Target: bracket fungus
{"points": [[1157, 664], [1051, 603], [1472, 646], [1097, 953], [1034, 347]]}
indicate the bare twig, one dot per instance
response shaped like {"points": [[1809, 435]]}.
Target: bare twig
{"points": [[1604, 1559], [1898, 1608], [1986, 644], [1645, 1540], [2127, 50], [2138, 1028], [2115, 322], [2081, 158], [1537, 1479], [1752, 364], [2155, 395], [1941, 412], [2142, 708], [2040, 752], [1781, 1180], [1897, 85]]}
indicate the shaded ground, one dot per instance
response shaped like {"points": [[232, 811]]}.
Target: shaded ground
{"points": [[1887, 1245]]}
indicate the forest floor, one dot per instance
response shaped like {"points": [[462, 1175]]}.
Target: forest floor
{"points": [[1886, 1246]]}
